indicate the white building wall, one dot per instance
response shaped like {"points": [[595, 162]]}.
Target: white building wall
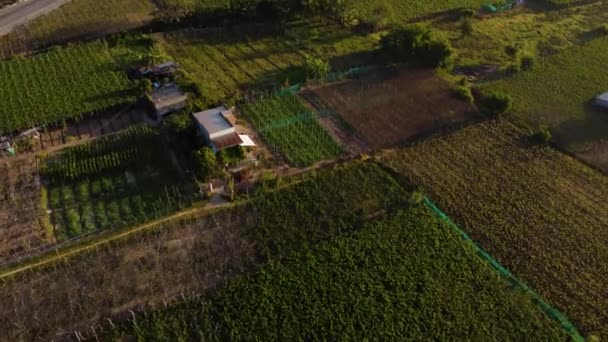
{"points": [[222, 133]]}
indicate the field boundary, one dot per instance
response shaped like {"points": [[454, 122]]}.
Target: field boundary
{"points": [[553, 313], [61, 253]]}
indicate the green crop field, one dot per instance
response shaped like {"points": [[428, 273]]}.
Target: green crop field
{"points": [[540, 213], [291, 130], [77, 19], [118, 180], [504, 38], [62, 84], [399, 11], [222, 62], [196, 253], [407, 277], [559, 92]]}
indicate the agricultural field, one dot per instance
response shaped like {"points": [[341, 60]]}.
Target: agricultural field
{"points": [[291, 130], [62, 84], [193, 254], [407, 277], [77, 19], [118, 180], [398, 11], [223, 62], [540, 213], [558, 92], [502, 39], [393, 106], [22, 227]]}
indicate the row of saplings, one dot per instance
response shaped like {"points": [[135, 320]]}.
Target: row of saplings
{"points": [[421, 45]]}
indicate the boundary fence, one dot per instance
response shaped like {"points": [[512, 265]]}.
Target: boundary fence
{"points": [[553, 313]]}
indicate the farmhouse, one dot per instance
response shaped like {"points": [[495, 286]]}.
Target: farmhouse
{"points": [[602, 100], [168, 98], [217, 129]]}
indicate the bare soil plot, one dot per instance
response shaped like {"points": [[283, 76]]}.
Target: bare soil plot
{"points": [[392, 106], [541, 213], [21, 228]]}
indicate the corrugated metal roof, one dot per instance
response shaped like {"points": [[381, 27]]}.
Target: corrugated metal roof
{"points": [[213, 120], [226, 141], [167, 95]]}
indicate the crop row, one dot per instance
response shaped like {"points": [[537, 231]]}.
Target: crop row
{"points": [[118, 212], [291, 129], [540, 213], [407, 277], [61, 84]]}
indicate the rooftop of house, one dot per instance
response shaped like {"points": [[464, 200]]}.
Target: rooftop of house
{"points": [[226, 141], [215, 120], [603, 97], [167, 94]]}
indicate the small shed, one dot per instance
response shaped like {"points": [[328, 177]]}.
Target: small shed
{"points": [[602, 100], [168, 98], [216, 126], [164, 69]]}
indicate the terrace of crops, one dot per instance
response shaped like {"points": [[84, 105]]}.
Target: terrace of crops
{"points": [[63, 83], [406, 277], [222, 62], [559, 92], [539, 212]]}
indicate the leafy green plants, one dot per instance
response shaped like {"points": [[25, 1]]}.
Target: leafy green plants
{"points": [[291, 130], [61, 84], [529, 206]]}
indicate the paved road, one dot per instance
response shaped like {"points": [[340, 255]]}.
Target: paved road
{"points": [[21, 13]]}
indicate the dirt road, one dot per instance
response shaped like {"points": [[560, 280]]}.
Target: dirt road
{"points": [[24, 11]]}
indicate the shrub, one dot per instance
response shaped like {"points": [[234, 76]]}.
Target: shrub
{"points": [[464, 92], [206, 163], [542, 136], [526, 62], [418, 43], [416, 197], [317, 68], [467, 13], [180, 123], [495, 104], [466, 27]]}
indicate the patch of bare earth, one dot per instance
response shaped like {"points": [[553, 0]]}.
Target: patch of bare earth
{"points": [[597, 155], [391, 106], [181, 258], [21, 231]]}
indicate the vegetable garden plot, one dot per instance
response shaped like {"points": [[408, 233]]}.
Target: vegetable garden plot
{"points": [[61, 84], [116, 181], [192, 255], [538, 212], [291, 130], [407, 277]]}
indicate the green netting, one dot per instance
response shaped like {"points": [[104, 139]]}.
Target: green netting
{"points": [[292, 90], [516, 283]]}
